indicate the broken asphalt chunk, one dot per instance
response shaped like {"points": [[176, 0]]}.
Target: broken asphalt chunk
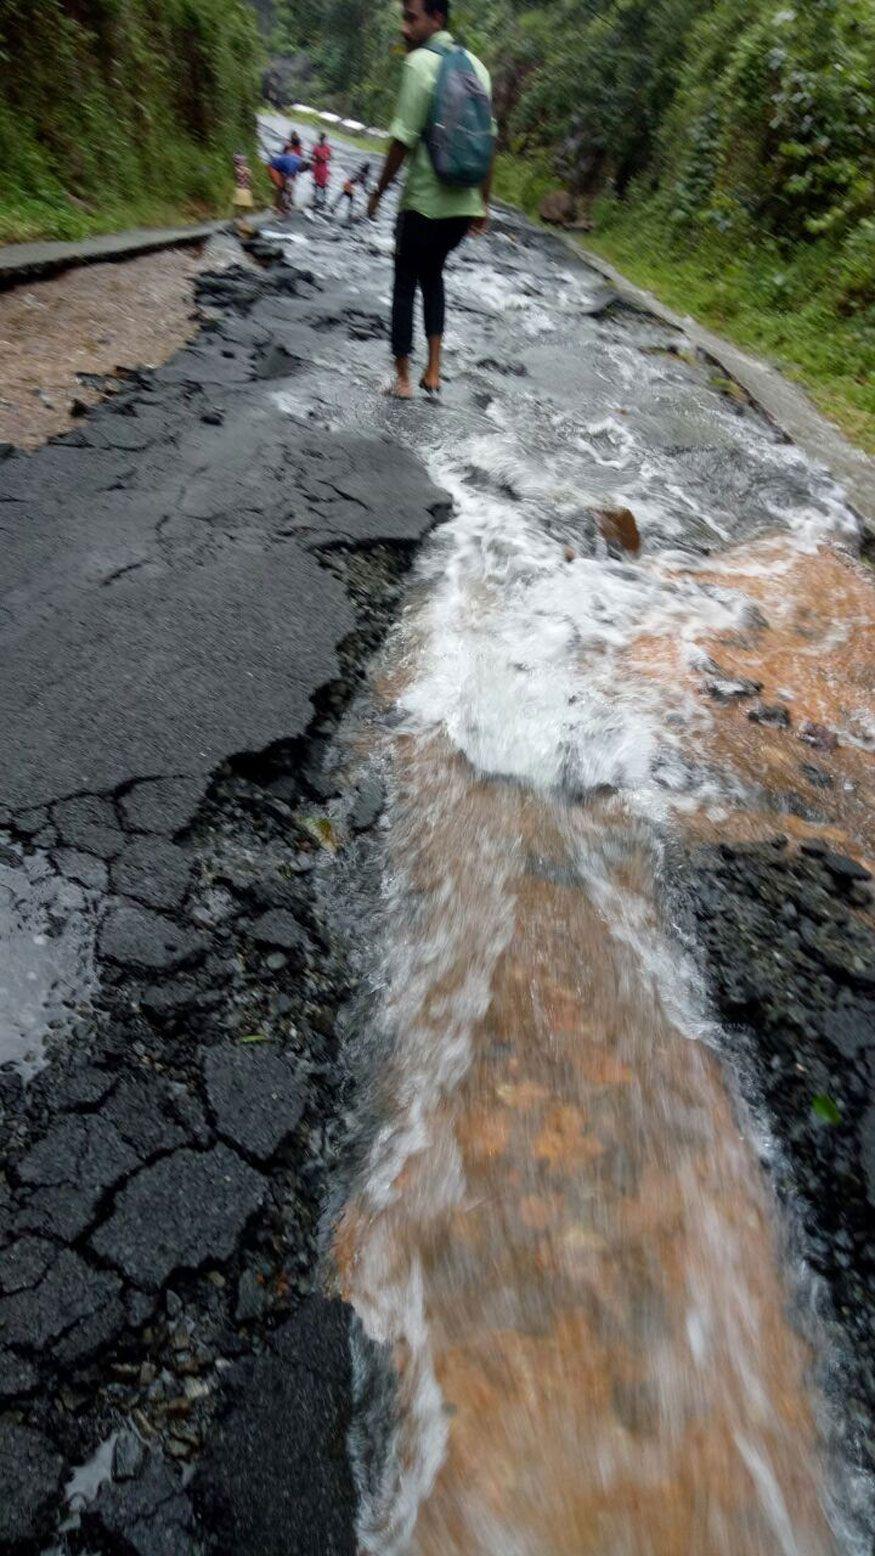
{"points": [[185, 1210], [30, 1479], [257, 1097], [140, 937], [71, 1293]]}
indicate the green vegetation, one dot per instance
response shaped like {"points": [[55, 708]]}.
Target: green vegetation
{"points": [[726, 149], [354, 48], [825, 1110], [121, 112]]}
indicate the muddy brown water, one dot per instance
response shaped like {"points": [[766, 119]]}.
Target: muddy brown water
{"points": [[563, 1237]]}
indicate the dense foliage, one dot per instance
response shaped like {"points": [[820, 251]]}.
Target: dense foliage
{"points": [[742, 111], [113, 110]]}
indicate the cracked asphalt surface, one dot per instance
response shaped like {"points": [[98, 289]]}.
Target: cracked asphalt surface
{"points": [[193, 579]]}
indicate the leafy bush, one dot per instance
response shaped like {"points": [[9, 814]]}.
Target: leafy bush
{"points": [[121, 106]]}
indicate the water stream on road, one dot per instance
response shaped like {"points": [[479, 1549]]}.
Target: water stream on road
{"points": [[560, 1232]]}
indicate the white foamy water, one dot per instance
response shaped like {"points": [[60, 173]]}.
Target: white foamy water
{"points": [[527, 675]]}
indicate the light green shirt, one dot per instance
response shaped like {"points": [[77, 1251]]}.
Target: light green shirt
{"points": [[423, 191]]}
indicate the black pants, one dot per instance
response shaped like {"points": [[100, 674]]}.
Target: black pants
{"points": [[422, 247]]}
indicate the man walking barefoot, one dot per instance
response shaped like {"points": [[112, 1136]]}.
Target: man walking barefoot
{"points": [[435, 215]]}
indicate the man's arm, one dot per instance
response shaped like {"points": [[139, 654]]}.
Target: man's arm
{"points": [[391, 168], [411, 114]]}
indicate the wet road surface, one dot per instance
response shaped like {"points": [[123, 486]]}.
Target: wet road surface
{"points": [[556, 1231]]}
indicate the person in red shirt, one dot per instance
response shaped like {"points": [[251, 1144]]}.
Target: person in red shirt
{"points": [[321, 159]]}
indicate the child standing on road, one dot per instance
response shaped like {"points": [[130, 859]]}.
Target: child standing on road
{"points": [[358, 180], [321, 159]]}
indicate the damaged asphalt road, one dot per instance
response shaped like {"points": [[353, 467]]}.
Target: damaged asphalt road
{"points": [[196, 578], [193, 580]]}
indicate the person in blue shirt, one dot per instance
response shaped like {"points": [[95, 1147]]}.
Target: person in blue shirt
{"points": [[282, 171]]}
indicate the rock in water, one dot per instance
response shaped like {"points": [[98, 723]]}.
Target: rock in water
{"points": [[619, 530], [819, 736]]}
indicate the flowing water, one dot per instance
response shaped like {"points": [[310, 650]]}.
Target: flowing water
{"points": [[560, 1233]]}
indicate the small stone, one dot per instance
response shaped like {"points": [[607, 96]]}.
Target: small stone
{"points": [[125, 1371], [276, 961], [128, 1456], [816, 776], [726, 689], [213, 418], [369, 803], [251, 1297], [72, 1399], [844, 870], [770, 713], [819, 736], [619, 530], [280, 929]]}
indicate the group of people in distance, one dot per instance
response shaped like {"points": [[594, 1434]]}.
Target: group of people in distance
{"points": [[285, 168]]}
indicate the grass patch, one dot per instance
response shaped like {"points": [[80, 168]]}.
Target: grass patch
{"points": [[58, 216], [523, 181]]}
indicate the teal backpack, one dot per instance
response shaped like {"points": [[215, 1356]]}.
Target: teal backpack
{"points": [[459, 133]]}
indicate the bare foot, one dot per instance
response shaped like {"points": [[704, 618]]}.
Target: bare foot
{"points": [[430, 382], [399, 389]]}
